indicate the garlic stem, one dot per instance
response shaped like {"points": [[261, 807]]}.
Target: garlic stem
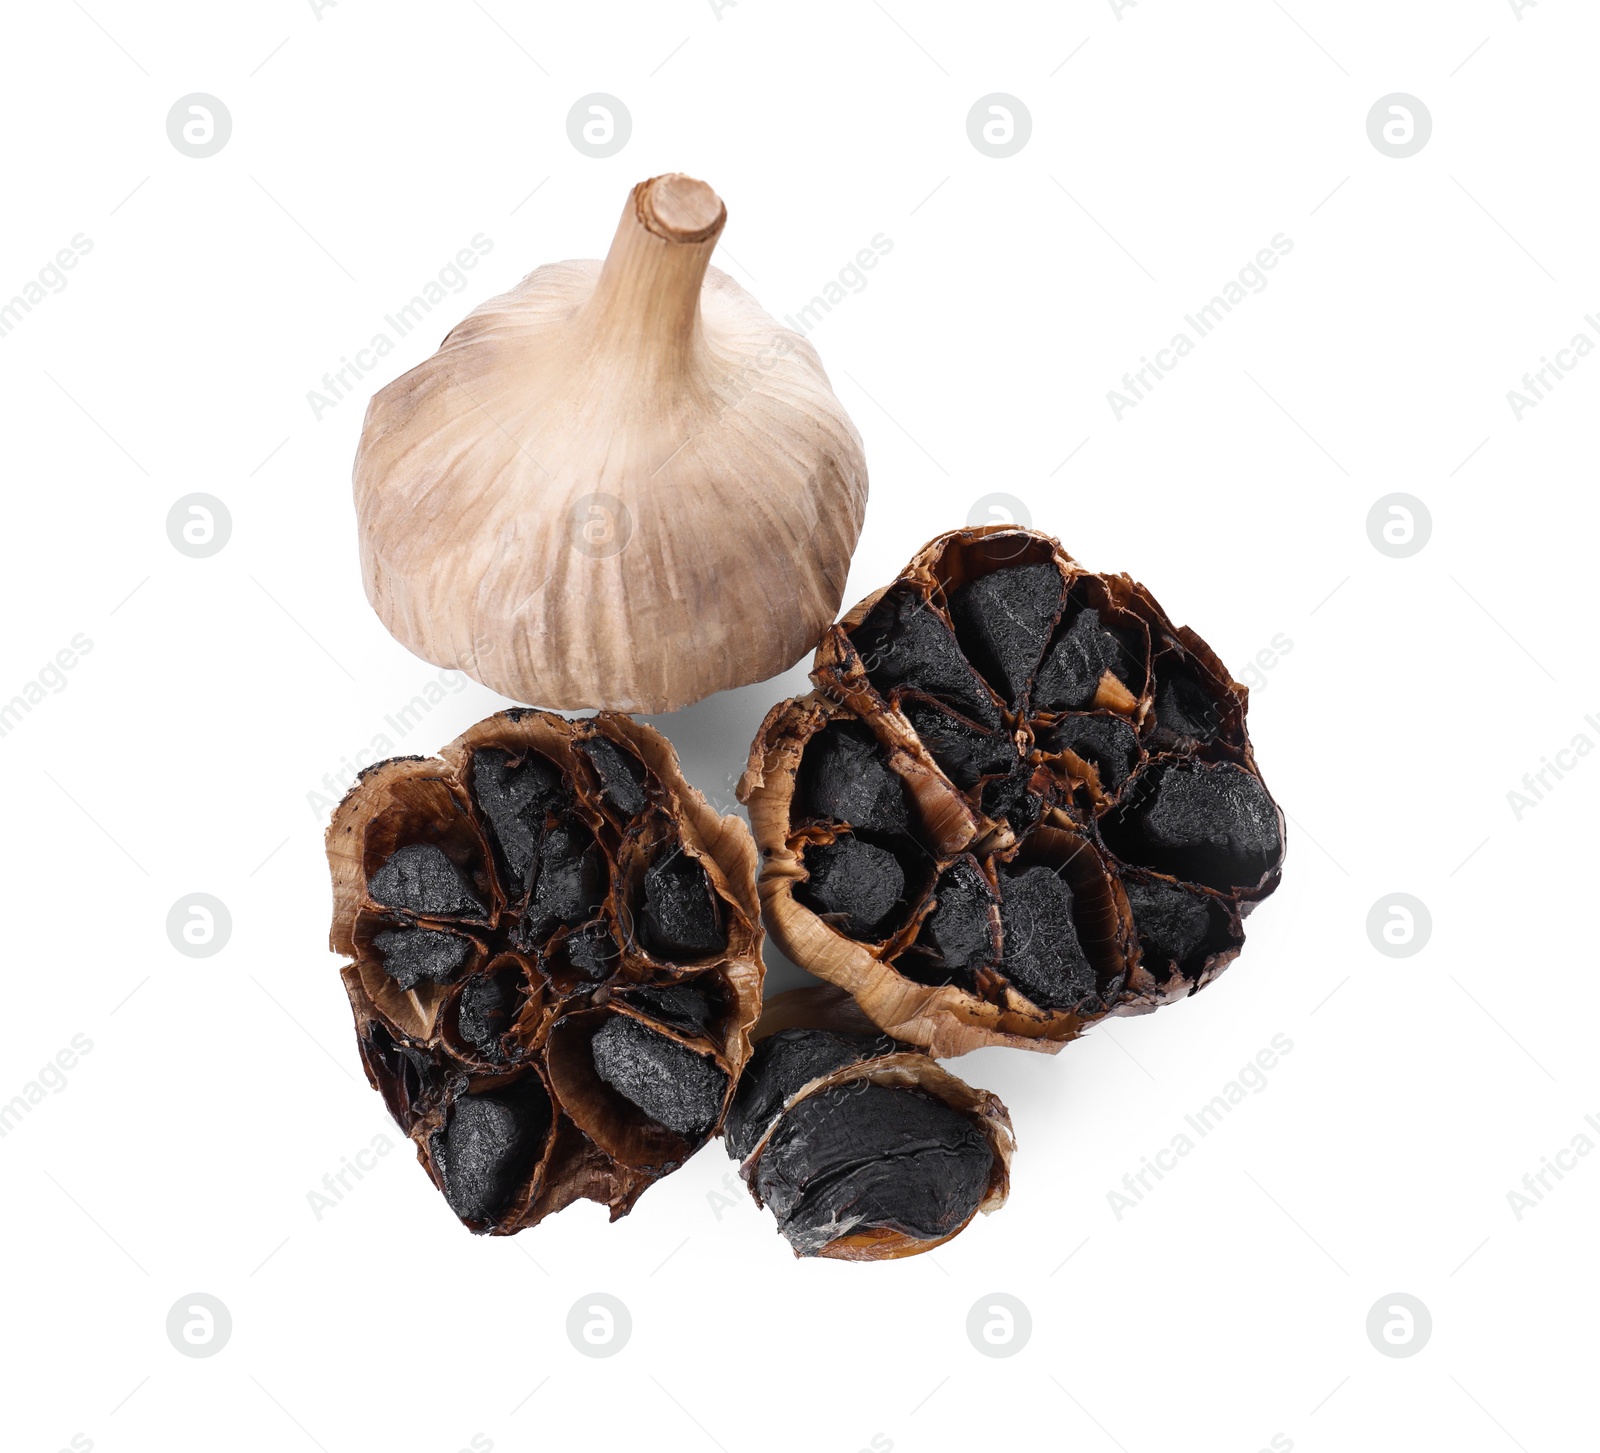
{"points": [[647, 299]]}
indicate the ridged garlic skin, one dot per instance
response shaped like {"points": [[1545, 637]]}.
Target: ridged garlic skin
{"points": [[598, 494]]}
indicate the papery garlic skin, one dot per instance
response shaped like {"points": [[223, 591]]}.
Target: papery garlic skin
{"points": [[619, 485]]}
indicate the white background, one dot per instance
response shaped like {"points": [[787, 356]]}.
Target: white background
{"points": [[1169, 144]]}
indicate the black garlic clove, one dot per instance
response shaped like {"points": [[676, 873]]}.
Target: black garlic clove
{"points": [[1213, 825], [904, 642], [671, 1084], [844, 777], [959, 937], [622, 776], [1107, 743], [421, 879], [514, 797], [1184, 709], [486, 1008], [680, 920], [1040, 950], [964, 754], [1004, 620], [1174, 923], [859, 1157], [1071, 672], [688, 1008], [593, 952], [571, 879], [780, 1065], [488, 1145], [856, 882], [414, 955]]}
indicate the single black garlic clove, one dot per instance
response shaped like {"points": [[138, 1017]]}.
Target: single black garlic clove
{"points": [[1184, 709], [856, 882], [781, 1064], [488, 1145], [958, 937], [591, 952], [514, 798], [421, 879], [680, 921], [1176, 925], [412, 955], [572, 879], [1107, 743], [862, 1149], [672, 1084], [964, 754], [844, 778], [488, 1004], [1072, 671], [1003, 621], [870, 1156], [1041, 953], [688, 1008], [622, 775], [903, 642], [1208, 824]]}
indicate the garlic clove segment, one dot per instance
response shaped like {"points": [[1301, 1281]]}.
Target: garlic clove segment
{"points": [[620, 485]]}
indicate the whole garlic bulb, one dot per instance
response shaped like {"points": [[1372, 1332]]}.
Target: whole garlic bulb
{"points": [[620, 485]]}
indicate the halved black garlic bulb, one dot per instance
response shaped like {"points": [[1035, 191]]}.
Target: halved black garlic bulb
{"points": [[1019, 799], [555, 960]]}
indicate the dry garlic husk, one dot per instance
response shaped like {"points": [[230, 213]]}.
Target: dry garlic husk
{"points": [[554, 955], [862, 1148], [1020, 799], [619, 485]]}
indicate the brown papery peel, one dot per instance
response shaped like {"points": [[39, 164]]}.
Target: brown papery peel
{"points": [[620, 485]]}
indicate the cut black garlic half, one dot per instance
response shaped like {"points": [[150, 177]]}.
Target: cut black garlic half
{"points": [[554, 960], [1020, 799], [862, 1148]]}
